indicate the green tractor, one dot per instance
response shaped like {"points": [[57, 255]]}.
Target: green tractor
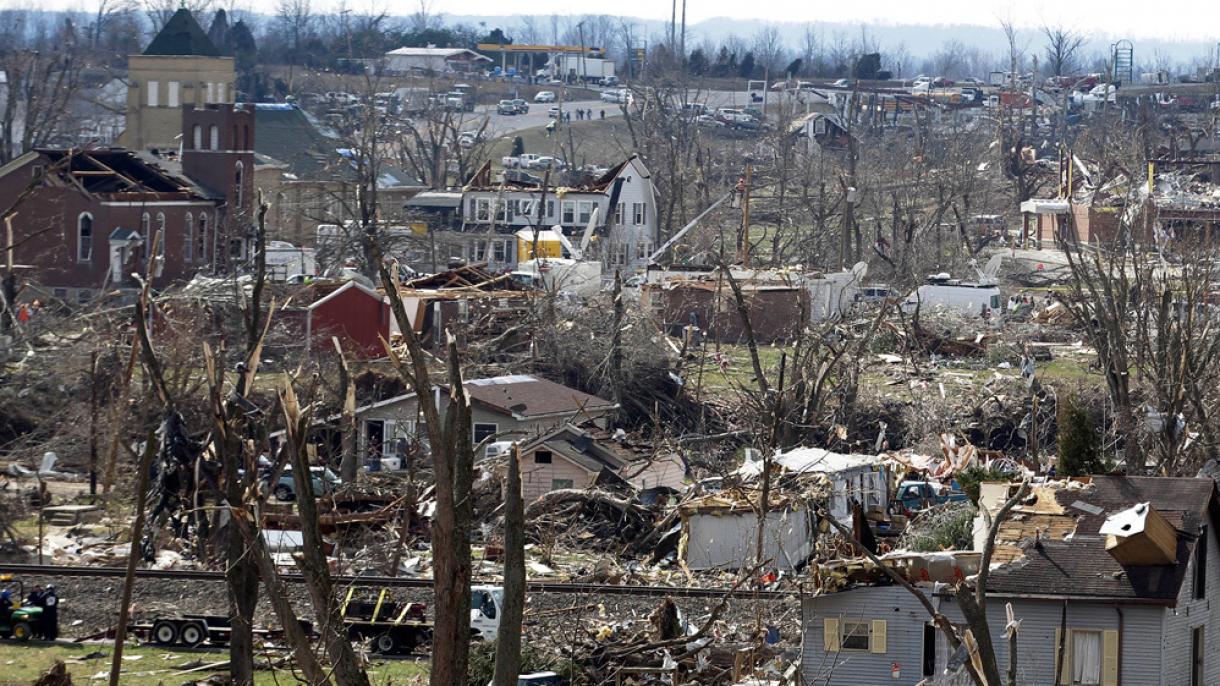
{"points": [[19, 622]]}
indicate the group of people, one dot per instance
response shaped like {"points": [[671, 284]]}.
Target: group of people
{"points": [[47, 599]]}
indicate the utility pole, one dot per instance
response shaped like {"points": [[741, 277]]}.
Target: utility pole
{"points": [[92, 423], [745, 217], [682, 43]]}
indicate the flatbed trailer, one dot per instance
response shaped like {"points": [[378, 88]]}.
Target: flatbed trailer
{"points": [[192, 631], [391, 627]]}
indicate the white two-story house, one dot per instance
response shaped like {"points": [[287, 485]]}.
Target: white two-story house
{"points": [[493, 214]]}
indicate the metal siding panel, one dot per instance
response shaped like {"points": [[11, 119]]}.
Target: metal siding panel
{"points": [[904, 618], [1140, 644]]}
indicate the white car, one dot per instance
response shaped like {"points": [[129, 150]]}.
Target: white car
{"points": [[545, 96], [842, 83], [553, 112]]}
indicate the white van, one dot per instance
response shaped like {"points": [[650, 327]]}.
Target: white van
{"points": [[942, 292]]}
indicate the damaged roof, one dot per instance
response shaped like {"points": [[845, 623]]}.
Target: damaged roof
{"points": [[579, 447], [528, 397], [1080, 567], [117, 173], [481, 180]]}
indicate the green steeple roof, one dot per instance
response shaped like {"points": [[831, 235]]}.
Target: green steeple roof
{"points": [[182, 35]]}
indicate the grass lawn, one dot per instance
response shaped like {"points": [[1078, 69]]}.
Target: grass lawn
{"points": [[24, 663]]}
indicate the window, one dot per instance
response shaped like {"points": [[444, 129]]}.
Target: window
{"points": [[60, 293], [482, 209], [197, 137], [562, 484], [214, 137], [236, 248], [239, 188], [188, 238], [144, 225], [542, 457], [618, 254], [203, 237], [172, 95], [550, 208], [525, 208], [1086, 658], [211, 94], [643, 249], [245, 138], [484, 431], [478, 252], [855, 636], [639, 212], [499, 251], [83, 296], [586, 211], [569, 212], [161, 234], [152, 88], [1201, 565], [84, 237], [1196, 657], [618, 213]]}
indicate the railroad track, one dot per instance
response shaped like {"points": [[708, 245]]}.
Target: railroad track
{"points": [[394, 582]]}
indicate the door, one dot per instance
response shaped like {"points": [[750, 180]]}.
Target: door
{"points": [[929, 650], [374, 440]]}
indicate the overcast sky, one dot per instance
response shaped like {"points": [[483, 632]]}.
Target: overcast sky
{"points": [[1165, 19]]}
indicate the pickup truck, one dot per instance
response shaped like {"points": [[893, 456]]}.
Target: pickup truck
{"points": [[918, 495], [519, 161]]}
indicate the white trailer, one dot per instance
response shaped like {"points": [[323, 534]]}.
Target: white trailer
{"points": [[566, 66]]}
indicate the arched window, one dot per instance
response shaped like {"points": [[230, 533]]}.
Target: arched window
{"points": [[203, 236], [188, 238], [238, 186], [144, 225], [197, 138], [161, 234], [214, 137], [245, 137], [84, 237], [233, 142]]}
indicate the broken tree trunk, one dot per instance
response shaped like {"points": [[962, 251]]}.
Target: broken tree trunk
{"points": [[453, 459], [348, 465], [312, 560], [133, 556], [277, 595], [508, 641]]}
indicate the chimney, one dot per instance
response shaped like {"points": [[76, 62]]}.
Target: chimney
{"points": [[1140, 536]]}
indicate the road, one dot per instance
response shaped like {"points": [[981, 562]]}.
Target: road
{"points": [[505, 125]]}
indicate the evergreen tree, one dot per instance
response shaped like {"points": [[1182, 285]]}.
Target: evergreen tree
{"points": [[746, 69], [698, 62]]}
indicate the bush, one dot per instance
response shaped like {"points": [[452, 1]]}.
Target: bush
{"points": [[533, 659], [947, 527], [1079, 439], [970, 478]]}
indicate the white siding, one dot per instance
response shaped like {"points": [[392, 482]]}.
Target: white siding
{"points": [[1140, 644], [1190, 613], [728, 541]]}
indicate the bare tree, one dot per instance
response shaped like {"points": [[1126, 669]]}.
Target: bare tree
{"points": [[43, 77], [1062, 45]]}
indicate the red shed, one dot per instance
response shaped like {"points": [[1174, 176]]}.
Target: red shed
{"points": [[358, 315]]}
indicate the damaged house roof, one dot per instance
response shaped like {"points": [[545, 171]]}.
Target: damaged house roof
{"points": [[116, 173], [1081, 567], [529, 397], [481, 180]]}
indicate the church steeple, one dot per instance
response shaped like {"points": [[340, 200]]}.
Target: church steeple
{"points": [[182, 36]]}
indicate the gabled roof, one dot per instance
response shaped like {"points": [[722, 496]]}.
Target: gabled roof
{"points": [[578, 447], [1080, 567], [182, 36]]}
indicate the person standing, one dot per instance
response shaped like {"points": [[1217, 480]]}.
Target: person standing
{"points": [[37, 598], [50, 613]]}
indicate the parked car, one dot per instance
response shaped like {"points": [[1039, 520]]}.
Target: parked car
{"points": [[842, 83], [730, 115], [919, 495], [552, 163], [708, 120], [322, 480], [522, 161], [521, 106], [545, 96], [506, 107], [610, 81], [553, 112], [467, 139]]}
